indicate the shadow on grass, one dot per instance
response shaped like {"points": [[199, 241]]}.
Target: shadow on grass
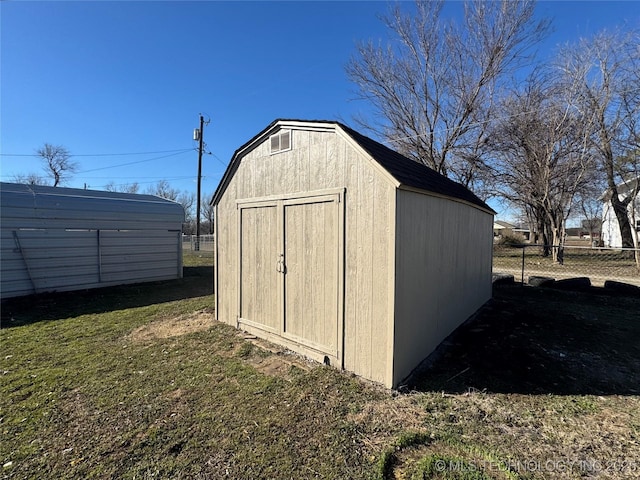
{"points": [[196, 282], [542, 341]]}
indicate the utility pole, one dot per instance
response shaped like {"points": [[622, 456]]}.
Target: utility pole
{"points": [[200, 138]]}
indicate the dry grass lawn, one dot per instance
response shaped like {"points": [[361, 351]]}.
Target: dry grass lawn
{"points": [[140, 382]]}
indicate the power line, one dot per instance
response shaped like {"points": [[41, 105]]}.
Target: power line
{"points": [[181, 150], [136, 162], [129, 180], [217, 158], [183, 177], [99, 154], [138, 183]]}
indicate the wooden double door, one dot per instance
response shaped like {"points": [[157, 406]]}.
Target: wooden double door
{"points": [[291, 271]]}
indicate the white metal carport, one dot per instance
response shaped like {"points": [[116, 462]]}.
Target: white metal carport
{"points": [[61, 239]]}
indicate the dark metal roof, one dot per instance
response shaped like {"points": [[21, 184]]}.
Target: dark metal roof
{"points": [[414, 174], [406, 171]]}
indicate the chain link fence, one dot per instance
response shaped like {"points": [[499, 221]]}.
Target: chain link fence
{"points": [[598, 264], [190, 243], [527, 260]]}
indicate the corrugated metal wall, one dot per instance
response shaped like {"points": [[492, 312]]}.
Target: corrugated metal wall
{"points": [[59, 239]]}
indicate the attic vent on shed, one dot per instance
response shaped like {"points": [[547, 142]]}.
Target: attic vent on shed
{"points": [[281, 141]]}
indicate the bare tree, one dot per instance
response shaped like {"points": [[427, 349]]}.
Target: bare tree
{"points": [[124, 188], [57, 162], [164, 190], [434, 89], [602, 72], [29, 179], [589, 205], [542, 161], [188, 201], [207, 210]]}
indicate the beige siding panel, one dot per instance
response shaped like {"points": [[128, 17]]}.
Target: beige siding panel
{"points": [[382, 286], [302, 156], [317, 169], [311, 297], [364, 239], [328, 267], [415, 328], [334, 169], [258, 275], [226, 235], [261, 174], [294, 278], [471, 281], [290, 177], [272, 175], [352, 361], [247, 179], [443, 270], [367, 241]]}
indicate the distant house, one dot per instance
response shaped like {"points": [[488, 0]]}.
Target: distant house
{"points": [[591, 228], [506, 229], [502, 228], [611, 235], [575, 232], [524, 232]]}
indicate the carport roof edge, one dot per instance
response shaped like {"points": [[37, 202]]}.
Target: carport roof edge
{"points": [[80, 192], [46, 191]]}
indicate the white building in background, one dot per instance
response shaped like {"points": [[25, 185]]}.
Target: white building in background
{"points": [[611, 235]]}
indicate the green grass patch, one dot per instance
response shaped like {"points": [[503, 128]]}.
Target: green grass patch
{"points": [[447, 467], [389, 459], [203, 258]]}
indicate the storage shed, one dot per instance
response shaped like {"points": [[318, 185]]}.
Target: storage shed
{"points": [[57, 239], [339, 248]]}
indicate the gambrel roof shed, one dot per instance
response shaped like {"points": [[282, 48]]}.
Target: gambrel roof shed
{"points": [[340, 248]]}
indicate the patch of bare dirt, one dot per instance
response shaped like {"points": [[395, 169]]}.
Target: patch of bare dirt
{"points": [[278, 365], [270, 358], [172, 327]]}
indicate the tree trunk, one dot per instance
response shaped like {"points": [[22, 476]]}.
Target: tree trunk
{"points": [[557, 229], [543, 233], [619, 206], [620, 209]]}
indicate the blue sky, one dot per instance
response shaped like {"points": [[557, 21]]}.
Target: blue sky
{"points": [[131, 77]]}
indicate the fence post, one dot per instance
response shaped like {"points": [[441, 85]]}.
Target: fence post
{"points": [[524, 247]]}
